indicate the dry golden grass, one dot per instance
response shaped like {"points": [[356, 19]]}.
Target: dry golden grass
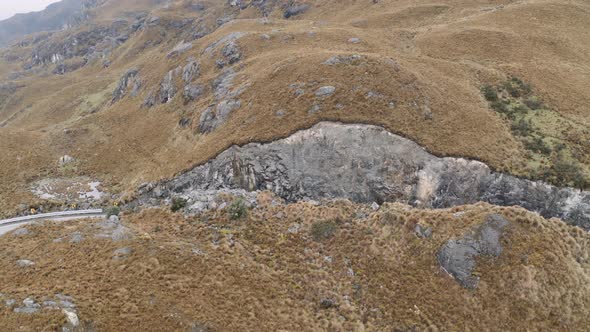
{"points": [[253, 274], [430, 58]]}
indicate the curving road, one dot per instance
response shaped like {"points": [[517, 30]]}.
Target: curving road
{"points": [[8, 225]]}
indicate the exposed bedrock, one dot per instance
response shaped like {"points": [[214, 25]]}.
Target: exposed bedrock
{"points": [[367, 163]]}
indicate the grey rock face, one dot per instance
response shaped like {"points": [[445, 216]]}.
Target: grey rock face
{"points": [[167, 87], [190, 71], [368, 164], [129, 78], [295, 10], [212, 118], [231, 52], [150, 100], [458, 257], [193, 92]]}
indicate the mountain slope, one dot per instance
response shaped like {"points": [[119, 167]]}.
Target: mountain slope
{"points": [[415, 70]]}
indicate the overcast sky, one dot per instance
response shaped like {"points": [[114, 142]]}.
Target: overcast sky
{"points": [[11, 7]]}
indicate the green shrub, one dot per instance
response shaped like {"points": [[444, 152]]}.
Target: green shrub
{"points": [[237, 209], [533, 103], [489, 93], [568, 172], [538, 145], [522, 128], [500, 107], [517, 87], [111, 211], [323, 230], [178, 203]]}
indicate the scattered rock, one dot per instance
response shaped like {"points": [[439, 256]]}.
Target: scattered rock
{"points": [[374, 206], [10, 303], [423, 232], [314, 109], [21, 232], [122, 253], [71, 317], [294, 229], [280, 113], [354, 40], [29, 307], [265, 36], [326, 303], [65, 160], [458, 257], [76, 237], [24, 263], [343, 59], [197, 327], [325, 91], [49, 304]]}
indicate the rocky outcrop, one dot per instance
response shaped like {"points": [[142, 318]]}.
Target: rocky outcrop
{"points": [[367, 163], [130, 78], [168, 85], [294, 10], [458, 257], [96, 42], [214, 117]]}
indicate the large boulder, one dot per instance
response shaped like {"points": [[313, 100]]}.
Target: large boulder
{"points": [[458, 257]]}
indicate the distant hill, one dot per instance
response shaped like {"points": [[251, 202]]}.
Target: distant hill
{"points": [[55, 17]]}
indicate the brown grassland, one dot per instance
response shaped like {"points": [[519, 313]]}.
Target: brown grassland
{"points": [[253, 274], [431, 58]]}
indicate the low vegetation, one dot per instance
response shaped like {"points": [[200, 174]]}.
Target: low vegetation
{"points": [[323, 230], [112, 211], [237, 209], [555, 144], [178, 203]]}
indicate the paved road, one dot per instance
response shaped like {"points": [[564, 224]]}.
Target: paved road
{"points": [[8, 225]]}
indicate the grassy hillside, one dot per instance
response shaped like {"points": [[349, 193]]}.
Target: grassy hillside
{"points": [[418, 71], [298, 267]]}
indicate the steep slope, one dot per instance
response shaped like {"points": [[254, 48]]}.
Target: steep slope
{"points": [[209, 74]]}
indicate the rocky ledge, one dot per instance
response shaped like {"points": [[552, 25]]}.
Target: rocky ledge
{"points": [[365, 163]]}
